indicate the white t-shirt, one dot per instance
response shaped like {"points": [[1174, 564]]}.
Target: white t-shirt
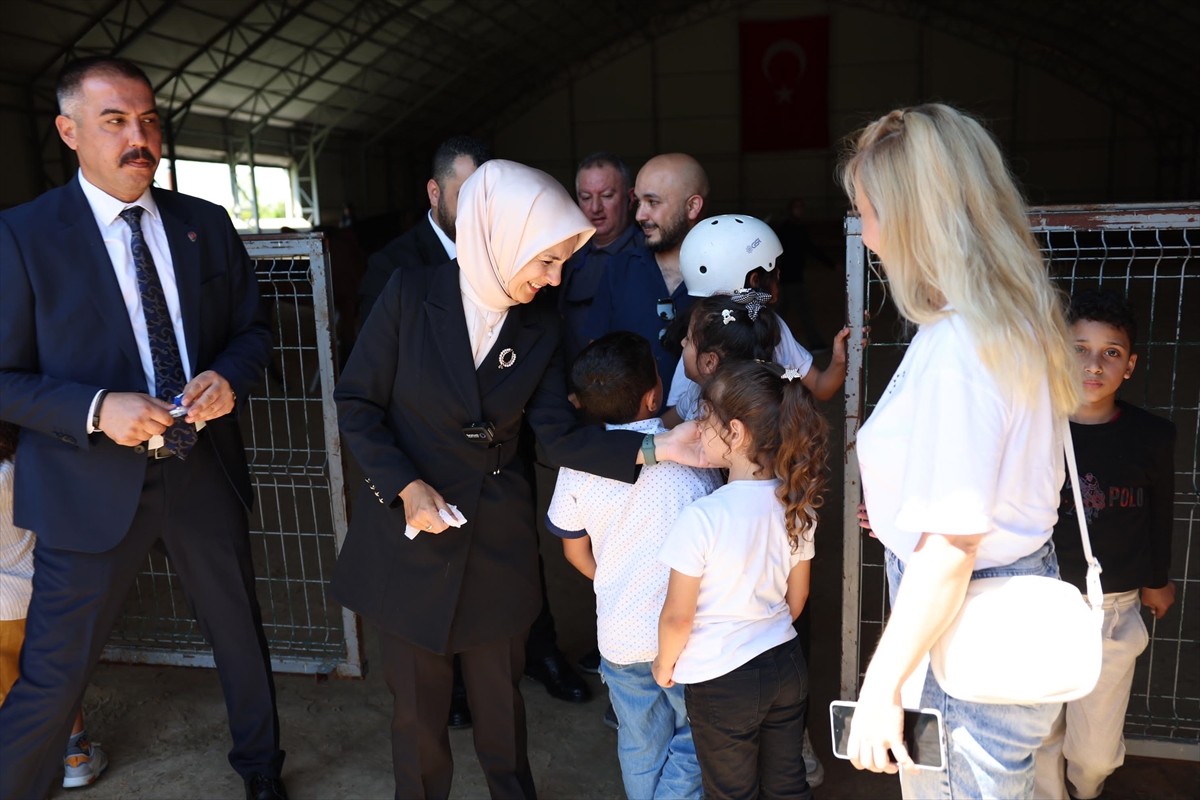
{"points": [[949, 450], [627, 524], [685, 393], [735, 541]]}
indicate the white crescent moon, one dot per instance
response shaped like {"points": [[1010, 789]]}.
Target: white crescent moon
{"points": [[781, 47]]}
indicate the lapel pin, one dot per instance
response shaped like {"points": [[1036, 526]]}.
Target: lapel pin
{"points": [[192, 236], [508, 357]]}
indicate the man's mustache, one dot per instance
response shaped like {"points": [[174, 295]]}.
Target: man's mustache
{"points": [[142, 153]]}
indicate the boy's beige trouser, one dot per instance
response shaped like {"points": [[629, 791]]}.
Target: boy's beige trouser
{"points": [[1088, 734]]}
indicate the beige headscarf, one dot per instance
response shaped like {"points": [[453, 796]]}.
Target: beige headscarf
{"points": [[508, 214]]}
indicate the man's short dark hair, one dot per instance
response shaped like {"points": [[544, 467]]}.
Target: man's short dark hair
{"points": [[1102, 305], [612, 375], [603, 158], [74, 72], [449, 150]]}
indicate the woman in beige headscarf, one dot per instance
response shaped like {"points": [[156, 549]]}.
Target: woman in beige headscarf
{"points": [[431, 402]]}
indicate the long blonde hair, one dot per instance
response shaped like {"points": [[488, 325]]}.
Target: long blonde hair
{"points": [[954, 229]]}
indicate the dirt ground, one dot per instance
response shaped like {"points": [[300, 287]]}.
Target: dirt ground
{"points": [[165, 732]]}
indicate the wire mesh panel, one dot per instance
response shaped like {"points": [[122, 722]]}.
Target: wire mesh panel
{"points": [[299, 518], [1151, 254]]}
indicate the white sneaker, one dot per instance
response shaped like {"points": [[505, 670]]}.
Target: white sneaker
{"points": [[812, 764], [83, 763]]}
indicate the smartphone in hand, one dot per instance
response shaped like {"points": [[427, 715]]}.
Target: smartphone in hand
{"points": [[923, 734]]}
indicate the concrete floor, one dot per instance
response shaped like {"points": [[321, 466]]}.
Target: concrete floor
{"points": [[165, 730]]}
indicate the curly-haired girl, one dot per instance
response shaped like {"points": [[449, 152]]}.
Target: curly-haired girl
{"points": [[740, 573]]}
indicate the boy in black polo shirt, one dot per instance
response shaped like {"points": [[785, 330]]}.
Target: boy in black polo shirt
{"points": [[1126, 472]]}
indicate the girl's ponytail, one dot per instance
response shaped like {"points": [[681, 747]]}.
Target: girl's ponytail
{"points": [[801, 460], [789, 437]]}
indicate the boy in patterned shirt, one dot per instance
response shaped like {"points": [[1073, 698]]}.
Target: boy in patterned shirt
{"points": [[1127, 478], [612, 532]]}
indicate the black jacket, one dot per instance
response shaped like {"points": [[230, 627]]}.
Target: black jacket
{"points": [[405, 395]]}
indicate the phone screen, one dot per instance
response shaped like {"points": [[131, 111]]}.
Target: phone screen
{"points": [[922, 734]]}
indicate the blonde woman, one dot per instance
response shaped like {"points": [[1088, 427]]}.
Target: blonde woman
{"points": [[961, 460]]}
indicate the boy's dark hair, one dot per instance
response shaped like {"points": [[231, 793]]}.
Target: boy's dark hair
{"points": [[1101, 305], [449, 150], [738, 340], [73, 73], [612, 375], [8, 440]]}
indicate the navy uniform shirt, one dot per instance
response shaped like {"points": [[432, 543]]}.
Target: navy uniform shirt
{"points": [[582, 275], [628, 299]]}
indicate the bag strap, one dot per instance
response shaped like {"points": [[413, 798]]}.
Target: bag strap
{"points": [[1095, 593]]}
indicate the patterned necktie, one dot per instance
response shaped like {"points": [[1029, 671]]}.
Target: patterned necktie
{"points": [[164, 348]]}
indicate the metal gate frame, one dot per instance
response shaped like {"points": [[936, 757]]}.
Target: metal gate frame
{"points": [[274, 466], [860, 579]]}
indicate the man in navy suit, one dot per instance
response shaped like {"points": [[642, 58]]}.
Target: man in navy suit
{"points": [[430, 241], [115, 297]]}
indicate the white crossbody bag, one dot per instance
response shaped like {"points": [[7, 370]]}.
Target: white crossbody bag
{"points": [[1026, 638]]}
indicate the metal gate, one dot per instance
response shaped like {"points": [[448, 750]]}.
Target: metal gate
{"points": [[299, 519], [1152, 255]]}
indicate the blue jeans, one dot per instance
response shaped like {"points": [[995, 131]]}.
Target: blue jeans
{"points": [[989, 748], [654, 741]]}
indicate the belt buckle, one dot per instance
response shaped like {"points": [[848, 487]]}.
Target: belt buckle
{"points": [[159, 453]]}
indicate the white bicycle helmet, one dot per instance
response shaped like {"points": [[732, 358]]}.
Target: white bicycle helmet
{"points": [[720, 251]]}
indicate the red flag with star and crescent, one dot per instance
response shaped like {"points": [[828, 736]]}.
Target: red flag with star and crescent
{"points": [[785, 83]]}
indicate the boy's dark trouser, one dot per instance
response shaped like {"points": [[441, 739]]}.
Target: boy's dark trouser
{"points": [[748, 726]]}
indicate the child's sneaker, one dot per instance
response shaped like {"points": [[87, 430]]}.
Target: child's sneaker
{"points": [[83, 762], [812, 764]]}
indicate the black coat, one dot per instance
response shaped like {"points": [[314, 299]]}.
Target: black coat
{"points": [[419, 246], [408, 390]]}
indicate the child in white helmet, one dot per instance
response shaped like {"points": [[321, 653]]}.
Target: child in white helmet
{"points": [[721, 328], [734, 251]]}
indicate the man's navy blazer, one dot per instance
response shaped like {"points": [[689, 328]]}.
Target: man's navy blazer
{"points": [[65, 334]]}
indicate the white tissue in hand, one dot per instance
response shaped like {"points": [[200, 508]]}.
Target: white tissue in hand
{"points": [[453, 518]]}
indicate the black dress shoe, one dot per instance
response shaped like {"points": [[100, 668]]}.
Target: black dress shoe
{"points": [[589, 662], [460, 712], [562, 682], [264, 787]]}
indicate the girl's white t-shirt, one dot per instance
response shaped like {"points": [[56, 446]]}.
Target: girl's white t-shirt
{"points": [[736, 542], [685, 392], [949, 450]]}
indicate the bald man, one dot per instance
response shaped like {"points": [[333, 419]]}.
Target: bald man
{"points": [[643, 289]]}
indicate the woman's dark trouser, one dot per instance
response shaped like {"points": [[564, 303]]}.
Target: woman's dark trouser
{"points": [[748, 726], [420, 680]]}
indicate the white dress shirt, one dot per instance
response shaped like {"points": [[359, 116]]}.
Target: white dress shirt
{"points": [[117, 237], [447, 242]]}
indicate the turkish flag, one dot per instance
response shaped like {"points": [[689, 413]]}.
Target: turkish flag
{"points": [[785, 83]]}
